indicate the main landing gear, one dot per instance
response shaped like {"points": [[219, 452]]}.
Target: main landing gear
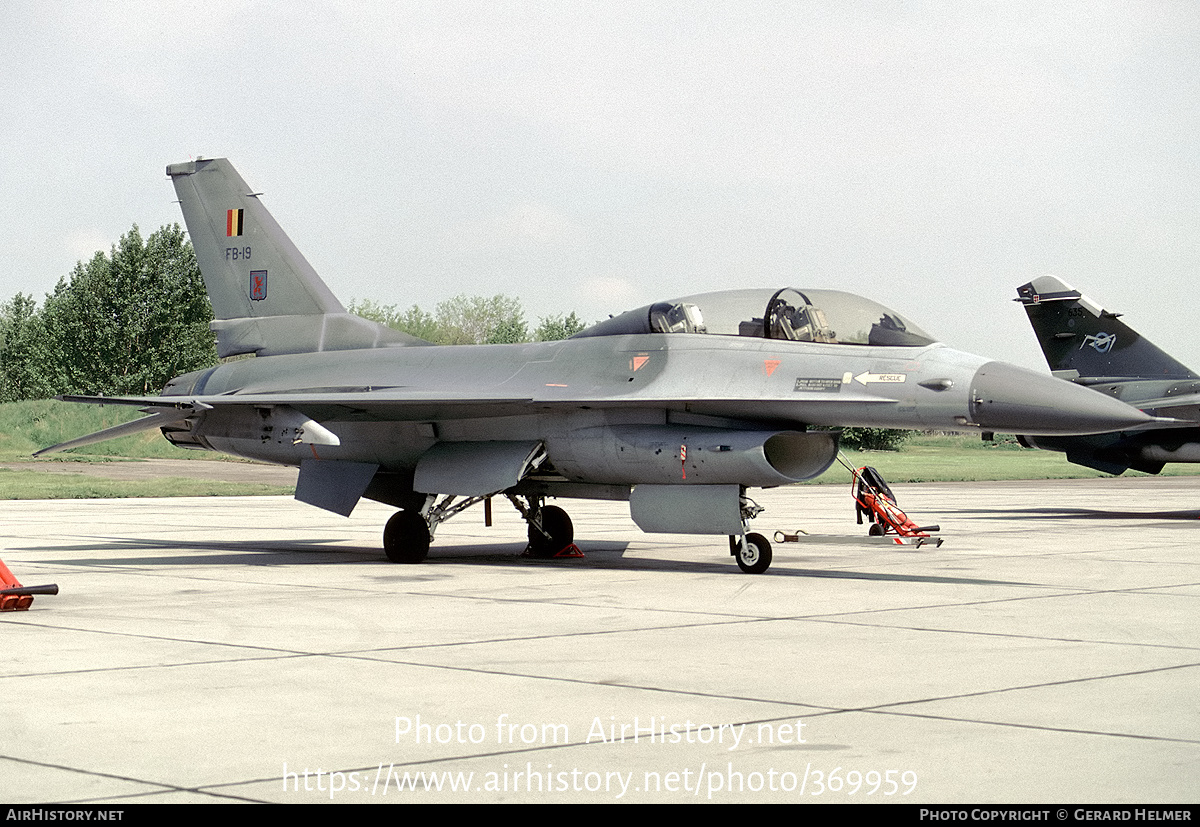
{"points": [[551, 532], [550, 529], [406, 537], [408, 533]]}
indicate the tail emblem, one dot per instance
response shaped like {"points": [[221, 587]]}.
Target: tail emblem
{"points": [[258, 285], [1101, 342], [233, 222]]}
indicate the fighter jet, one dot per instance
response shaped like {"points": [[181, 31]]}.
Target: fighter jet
{"points": [[1093, 348], [678, 407]]}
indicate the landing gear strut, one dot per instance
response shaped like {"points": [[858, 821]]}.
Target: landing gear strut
{"points": [[752, 551], [550, 531], [408, 533]]}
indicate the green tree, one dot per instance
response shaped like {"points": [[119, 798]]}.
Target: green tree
{"points": [[414, 321], [509, 332], [22, 351], [124, 323], [476, 320], [470, 320], [553, 328]]}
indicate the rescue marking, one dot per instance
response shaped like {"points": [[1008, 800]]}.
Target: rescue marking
{"points": [[770, 365], [864, 378], [637, 361]]}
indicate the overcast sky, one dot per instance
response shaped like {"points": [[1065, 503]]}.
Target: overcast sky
{"points": [[598, 156]]}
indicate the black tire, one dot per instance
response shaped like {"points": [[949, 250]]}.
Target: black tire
{"points": [[876, 530], [406, 537], [557, 524], [755, 557]]}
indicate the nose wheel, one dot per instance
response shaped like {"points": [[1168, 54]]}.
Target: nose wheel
{"points": [[753, 553]]}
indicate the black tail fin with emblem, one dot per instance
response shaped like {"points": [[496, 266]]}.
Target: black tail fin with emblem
{"points": [[1082, 341]]}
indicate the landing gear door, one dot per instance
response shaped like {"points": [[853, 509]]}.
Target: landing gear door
{"points": [[474, 469], [687, 509]]}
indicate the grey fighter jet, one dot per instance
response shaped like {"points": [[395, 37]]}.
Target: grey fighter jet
{"points": [[678, 407], [1092, 347]]}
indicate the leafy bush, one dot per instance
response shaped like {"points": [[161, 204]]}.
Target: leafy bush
{"points": [[874, 439]]}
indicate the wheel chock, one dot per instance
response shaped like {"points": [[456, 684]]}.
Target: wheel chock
{"points": [[17, 598], [566, 553]]}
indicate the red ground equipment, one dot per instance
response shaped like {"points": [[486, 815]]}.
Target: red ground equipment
{"points": [[875, 500], [13, 596]]}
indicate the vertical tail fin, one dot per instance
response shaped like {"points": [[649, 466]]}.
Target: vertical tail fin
{"points": [[266, 297], [1079, 339]]}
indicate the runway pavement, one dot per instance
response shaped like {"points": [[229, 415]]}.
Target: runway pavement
{"points": [[257, 649]]}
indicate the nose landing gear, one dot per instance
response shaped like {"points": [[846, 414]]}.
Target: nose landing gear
{"points": [[751, 551]]}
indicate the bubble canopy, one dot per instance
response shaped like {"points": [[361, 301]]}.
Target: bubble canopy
{"points": [[788, 314]]}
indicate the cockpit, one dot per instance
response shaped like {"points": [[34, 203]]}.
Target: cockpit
{"points": [[789, 314]]}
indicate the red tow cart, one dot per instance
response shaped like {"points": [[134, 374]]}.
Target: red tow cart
{"points": [[874, 500]]}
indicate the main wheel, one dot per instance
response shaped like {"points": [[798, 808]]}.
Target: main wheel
{"points": [[755, 556], [406, 537], [557, 524]]}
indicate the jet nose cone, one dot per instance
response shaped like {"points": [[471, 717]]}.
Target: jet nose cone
{"points": [[1014, 400]]}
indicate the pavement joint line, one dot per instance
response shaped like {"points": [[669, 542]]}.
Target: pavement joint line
{"points": [[963, 663], [165, 787], [885, 708], [1040, 727], [1013, 635], [722, 621]]}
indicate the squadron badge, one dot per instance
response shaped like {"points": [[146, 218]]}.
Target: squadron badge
{"points": [[258, 285]]}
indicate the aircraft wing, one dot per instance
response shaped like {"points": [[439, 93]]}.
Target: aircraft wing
{"points": [[1182, 406], [407, 404]]}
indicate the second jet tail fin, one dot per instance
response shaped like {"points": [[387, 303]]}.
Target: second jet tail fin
{"points": [[266, 297], [1082, 341]]}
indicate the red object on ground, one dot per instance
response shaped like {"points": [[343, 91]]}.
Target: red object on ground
{"points": [[13, 596], [874, 499]]}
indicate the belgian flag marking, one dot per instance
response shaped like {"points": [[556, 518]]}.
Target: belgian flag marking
{"points": [[233, 222]]}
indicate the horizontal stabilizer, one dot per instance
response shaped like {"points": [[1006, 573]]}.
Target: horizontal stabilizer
{"points": [[158, 419]]}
